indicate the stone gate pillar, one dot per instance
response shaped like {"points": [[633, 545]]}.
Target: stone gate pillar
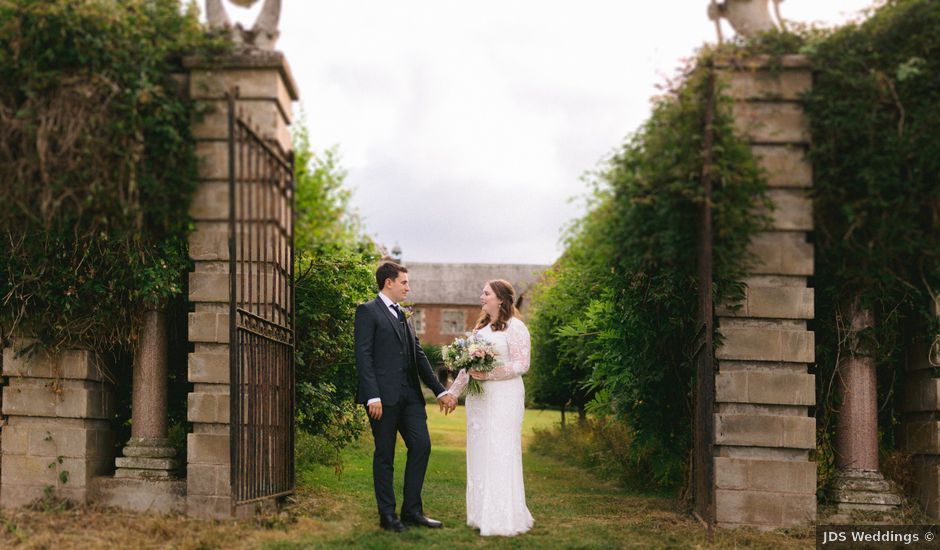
{"points": [[266, 90], [920, 429], [763, 390]]}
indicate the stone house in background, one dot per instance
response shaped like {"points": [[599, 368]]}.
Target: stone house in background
{"points": [[446, 297]]}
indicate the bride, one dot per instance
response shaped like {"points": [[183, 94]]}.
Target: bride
{"points": [[495, 489]]}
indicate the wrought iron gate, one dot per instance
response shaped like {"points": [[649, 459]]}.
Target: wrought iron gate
{"points": [[261, 268], [703, 464]]}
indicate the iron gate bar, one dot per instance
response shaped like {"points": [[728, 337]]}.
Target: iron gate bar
{"points": [[262, 314], [703, 344]]}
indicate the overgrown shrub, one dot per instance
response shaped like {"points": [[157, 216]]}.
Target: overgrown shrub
{"points": [[628, 276], [874, 115], [98, 165], [335, 267]]}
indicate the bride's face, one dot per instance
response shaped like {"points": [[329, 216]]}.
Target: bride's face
{"points": [[489, 302]]}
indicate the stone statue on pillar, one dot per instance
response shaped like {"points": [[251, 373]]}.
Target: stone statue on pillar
{"points": [[262, 35], [747, 17]]}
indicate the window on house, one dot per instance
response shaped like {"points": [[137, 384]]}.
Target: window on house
{"points": [[453, 322], [418, 320]]}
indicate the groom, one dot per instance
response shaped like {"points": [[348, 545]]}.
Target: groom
{"points": [[390, 361]]}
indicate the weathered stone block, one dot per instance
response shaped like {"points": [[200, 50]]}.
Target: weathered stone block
{"points": [[263, 116], [69, 364], [210, 202], [927, 484], [208, 479], [213, 160], [765, 388], [45, 470], [766, 344], [206, 448], [209, 507], [784, 165], [144, 474], [14, 440], [778, 476], [762, 509], [921, 392], [143, 451], [782, 253], [209, 241], [208, 327], [141, 463], [209, 287], [71, 399], [769, 85], [793, 210], [773, 303], [920, 437], [16, 496], [764, 62], [791, 432], [138, 495], [771, 122], [209, 368], [251, 84], [53, 440], [210, 408], [214, 287]]}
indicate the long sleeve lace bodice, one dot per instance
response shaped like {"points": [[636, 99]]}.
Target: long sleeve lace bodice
{"points": [[512, 348]]}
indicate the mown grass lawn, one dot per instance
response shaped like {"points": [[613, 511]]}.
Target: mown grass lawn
{"points": [[572, 509]]}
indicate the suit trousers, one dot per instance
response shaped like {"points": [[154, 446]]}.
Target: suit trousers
{"points": [[409, 418]]}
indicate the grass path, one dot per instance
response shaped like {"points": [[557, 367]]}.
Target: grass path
{"points": [[572, 509]]}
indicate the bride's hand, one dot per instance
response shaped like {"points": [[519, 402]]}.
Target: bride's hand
{"points": [[477, 375]]}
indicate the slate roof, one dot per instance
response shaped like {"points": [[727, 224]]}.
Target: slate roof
{"points": [[461, 284]]}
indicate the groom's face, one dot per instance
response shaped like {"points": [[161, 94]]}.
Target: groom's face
{"points": [[397, 289]]}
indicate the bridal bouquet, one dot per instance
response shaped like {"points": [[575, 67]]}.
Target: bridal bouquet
{"points": [[472, 353]]}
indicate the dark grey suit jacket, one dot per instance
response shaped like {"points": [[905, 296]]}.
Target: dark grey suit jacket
{"points": [[382, 356]]}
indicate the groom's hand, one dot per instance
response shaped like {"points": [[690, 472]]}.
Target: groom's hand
{"points": [[375, 410], [447, 403]]}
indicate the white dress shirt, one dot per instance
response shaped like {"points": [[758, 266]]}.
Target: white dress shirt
{"points": [[391, 309]]}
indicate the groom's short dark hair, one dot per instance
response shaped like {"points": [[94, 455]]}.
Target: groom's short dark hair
{"points": [[388, 270]]}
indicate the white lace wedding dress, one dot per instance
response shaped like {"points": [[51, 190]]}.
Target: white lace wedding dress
{"points": [[495, 489]]}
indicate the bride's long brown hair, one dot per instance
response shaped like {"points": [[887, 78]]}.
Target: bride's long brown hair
{"points": [[507, 305]]}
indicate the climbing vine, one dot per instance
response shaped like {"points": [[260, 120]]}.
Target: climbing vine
{"points": [[98, 165], [875, 120], [618, 312]]}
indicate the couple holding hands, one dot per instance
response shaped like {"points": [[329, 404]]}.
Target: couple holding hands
{"points": [[391, 365]]}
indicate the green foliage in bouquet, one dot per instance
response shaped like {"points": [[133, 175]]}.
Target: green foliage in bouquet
{"points": [[473, 354]]}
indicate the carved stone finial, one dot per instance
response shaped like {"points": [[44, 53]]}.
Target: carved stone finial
{"points": [[747, 17], [263, 34]]}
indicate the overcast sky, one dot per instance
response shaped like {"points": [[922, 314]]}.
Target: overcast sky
{"points": [[466, 126]]}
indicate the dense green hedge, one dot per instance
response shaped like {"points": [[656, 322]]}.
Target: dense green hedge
{"points": [[98, 165], [875, 120], [335, 266], [617, 315]]}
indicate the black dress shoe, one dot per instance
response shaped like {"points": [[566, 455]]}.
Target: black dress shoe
{"points": [[390, 523], [422, 520]]}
